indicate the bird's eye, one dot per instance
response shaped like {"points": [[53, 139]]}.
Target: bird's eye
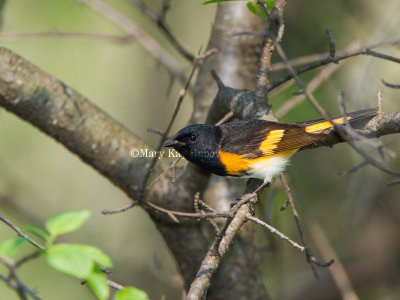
{"points": [[192, 137]]}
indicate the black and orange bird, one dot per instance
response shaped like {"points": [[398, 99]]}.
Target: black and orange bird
{"points": [[255, 148]]}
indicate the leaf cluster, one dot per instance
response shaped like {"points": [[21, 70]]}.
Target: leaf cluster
{"points": [[84, 262]]}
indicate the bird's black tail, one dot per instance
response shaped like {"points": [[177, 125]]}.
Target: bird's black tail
{"points": [[356, 119]]}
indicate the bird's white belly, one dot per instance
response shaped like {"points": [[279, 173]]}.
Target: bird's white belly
{"points": [[269, 167]]}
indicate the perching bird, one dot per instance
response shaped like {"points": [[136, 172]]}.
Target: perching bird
{"points": [[254, 148]]}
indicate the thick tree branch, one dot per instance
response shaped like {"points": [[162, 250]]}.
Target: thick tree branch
{"points": [[236, 60], [104, 144], [69, 118]]}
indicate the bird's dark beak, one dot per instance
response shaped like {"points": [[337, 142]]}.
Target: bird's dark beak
{"points": [[173, 143]]}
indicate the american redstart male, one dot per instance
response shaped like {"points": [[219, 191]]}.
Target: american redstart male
{"points": [[254, 148]]}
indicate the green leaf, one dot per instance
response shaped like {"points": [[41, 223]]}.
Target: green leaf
{"points": [[97, 282], [270, 4], [98, 256], [252, 8], [70, 259], [216, 1], [10, 246], [66, 222], [36, 231], [258, 9], [130, 293]]}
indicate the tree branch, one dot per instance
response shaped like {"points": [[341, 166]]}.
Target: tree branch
{"points": [[221, 244], [150, 44], [343, 55], [159, 21]]}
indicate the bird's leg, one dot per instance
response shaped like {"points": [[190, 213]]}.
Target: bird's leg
{"points": [[253, 194], [263, 185], [234, 202]]}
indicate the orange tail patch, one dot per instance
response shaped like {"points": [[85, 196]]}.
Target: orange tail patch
{"points": [[316, 128]]}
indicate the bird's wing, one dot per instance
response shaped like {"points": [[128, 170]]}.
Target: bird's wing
{"points": [[258, 138]]}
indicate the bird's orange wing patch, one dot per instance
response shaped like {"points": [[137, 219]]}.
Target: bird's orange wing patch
{"points": [[324, 125], [271, 142]]}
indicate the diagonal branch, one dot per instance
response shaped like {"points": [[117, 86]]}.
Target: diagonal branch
{"points": [[221, 244], [159, 21], [343, 55], [15, 36], [103, 143], [20, 232], [68, 117], [150, 44]]}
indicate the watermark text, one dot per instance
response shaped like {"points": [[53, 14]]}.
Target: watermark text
{"points": [[144, 152]]}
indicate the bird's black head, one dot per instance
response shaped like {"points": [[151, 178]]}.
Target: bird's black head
{"points": [[199, 144]]}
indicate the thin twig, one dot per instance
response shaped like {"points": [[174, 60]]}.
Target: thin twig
{"points": [[170, 213], [312, 86], [309, 256], [391, 85], [121, 209], [393, 182], [348, 134], [275, 231], [27, 258], [206, 206], [273, 34], [381, 55], [332, 46], [337, 270], [353, 170], [162, 174], [114, 285], [174, 214], [21, 233], [182, 95], [196, 202], [155, 130], [18, 286], [159, 21], [16, 36], [370, 159], [149, 43], [302, 60], [361, 51], [309, 96]]}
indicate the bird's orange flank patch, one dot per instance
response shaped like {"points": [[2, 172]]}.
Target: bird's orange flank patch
{"points": [[234, 164]]}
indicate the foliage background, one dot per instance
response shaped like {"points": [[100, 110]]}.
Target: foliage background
{"points": [[39, 178]]}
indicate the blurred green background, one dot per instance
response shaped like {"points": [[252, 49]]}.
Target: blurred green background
{"points": [[39, 178]]}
